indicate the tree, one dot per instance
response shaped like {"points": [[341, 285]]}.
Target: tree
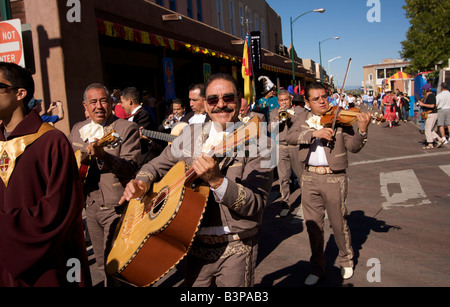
{"points": [[428, 38]]}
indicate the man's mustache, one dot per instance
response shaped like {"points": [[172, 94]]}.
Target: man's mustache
{"points": [[220, 110]]}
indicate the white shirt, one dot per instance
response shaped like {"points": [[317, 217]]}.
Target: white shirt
{"points": [[134, 112], [215, 137], [443, 100], [317, 156], [178, 119], [197, 119]]}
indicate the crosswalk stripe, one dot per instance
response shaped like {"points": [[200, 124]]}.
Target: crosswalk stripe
{"points": [[402, 189], [446, 169]]}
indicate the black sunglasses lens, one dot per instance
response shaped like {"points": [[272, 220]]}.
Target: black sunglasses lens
{"points": [[229, 98], [213, 101], [3, 85]]}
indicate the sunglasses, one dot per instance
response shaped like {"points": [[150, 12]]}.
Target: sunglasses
{"points": [[227, 98]]}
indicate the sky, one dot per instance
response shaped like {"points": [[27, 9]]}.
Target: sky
{"points": [[363, 41]]}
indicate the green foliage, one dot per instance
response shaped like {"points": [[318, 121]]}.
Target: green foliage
{"points": [[428, 38]]}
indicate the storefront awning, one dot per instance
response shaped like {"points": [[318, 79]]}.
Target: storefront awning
{"points": [[116, 30]]}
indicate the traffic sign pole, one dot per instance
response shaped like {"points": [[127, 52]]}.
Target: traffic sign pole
{"points": [[5, 8]]}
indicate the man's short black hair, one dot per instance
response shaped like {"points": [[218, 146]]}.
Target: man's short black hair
{"points": [[19, 78], [222, 76], [179, 101], [198, 86], [313, 86], [132, 93]]}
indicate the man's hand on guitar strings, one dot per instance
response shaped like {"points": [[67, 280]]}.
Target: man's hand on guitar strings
{"points": [[207, 169], [134, 189]]}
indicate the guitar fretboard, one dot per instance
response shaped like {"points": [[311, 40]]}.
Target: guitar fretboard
{"points": [[156, 135]]}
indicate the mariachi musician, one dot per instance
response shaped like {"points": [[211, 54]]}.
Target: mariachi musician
{"points": [[225, 248], [110, 168], [324, 178], [281, 119]]}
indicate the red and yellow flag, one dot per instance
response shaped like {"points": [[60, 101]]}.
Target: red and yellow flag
{"points": [[247, 73]]}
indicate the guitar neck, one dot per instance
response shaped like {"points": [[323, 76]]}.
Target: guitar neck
{"points": [[107, 139], [240, 136], [156, 135]]}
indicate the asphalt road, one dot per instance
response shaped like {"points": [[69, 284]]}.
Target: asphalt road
{"points": [[399, 217]]}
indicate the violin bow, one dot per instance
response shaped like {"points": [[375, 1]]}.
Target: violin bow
{"points": [[342, 91], [333, 125]]}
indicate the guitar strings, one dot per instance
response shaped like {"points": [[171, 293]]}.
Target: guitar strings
{"points": [[138, 218], [146, 208]]}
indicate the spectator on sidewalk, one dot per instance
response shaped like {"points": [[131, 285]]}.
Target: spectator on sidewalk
{"points": [[443, 106], [429, 106]]}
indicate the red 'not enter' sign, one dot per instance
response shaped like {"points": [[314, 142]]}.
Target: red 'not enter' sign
{"points": [[11, 49]]}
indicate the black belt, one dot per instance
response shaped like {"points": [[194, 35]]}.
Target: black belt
{"points": [[228, 237]]}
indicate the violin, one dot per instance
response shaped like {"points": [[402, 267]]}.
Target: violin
{"points": [[346, 117]]}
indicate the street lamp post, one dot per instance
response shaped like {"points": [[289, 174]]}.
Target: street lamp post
{"points": [[322, 10], [329, 69], [320, 55]]}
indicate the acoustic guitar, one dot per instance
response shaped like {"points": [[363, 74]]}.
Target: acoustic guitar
{"points": [[84, 160], [157, 135], [156, 232]]}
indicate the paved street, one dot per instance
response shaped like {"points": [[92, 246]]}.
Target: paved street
{"points": [[399, 217], [399, 214]]}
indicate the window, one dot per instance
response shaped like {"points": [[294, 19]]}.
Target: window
{"points": [[242, 20], [232, 19], [189, 8], [248, 16], [256, 22], [370, 78], [199, 10], [173, 5], [380, 74], [219, 15], [391, 71], [263, 33], [160, 2]]}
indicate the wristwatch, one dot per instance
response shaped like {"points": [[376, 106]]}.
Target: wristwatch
{"points": [[362, 134]]}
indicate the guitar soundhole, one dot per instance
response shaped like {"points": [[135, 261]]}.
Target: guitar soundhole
{"points": [[159, 202]]}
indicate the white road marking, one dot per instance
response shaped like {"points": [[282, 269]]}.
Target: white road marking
{"points": [[427, 155], [446, 169], [402, 189]]}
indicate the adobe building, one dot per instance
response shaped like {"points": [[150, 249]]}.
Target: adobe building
{"points": [[383, 76], [144, 43]]}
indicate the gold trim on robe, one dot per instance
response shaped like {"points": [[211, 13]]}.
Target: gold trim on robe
{"points": [[11, 150]]}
